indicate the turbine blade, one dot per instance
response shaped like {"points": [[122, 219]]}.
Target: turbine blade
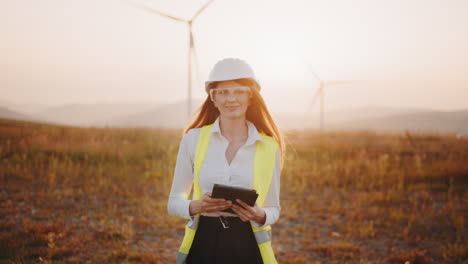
{"points": [[313, 72], [153, 11], [340, 82], [201, 9]]}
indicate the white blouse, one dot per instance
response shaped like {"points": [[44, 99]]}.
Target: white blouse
{"points": [[215, 169]]}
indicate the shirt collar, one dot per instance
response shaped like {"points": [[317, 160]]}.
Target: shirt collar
{"points": [[252, 130]]}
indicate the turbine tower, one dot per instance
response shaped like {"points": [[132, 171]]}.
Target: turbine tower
{"points": [[320, 94], [191, 47]]}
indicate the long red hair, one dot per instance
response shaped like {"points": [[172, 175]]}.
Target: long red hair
{"points": [[257, 113]]}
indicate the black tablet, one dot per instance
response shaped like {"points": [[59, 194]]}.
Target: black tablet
{"points": [[248, 196]]}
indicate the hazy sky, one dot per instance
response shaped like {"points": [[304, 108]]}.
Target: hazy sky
{"points": [[413, 53]]}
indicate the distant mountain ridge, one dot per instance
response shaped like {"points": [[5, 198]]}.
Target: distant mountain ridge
{"points": [[93, 114], [431, 121], [10, 114], [174, 115]]}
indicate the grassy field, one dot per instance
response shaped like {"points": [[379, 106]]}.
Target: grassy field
{"points": [[86, 195]]}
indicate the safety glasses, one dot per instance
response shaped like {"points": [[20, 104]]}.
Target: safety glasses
{"points": [[239, 92]]}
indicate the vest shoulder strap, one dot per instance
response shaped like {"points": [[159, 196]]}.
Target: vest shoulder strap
{"points": [[264, 165], [200, 153]]}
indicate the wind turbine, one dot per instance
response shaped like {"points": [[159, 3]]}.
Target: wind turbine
{"points": [[191, 51], [321, 94]]}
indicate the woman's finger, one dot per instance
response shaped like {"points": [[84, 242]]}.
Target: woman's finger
{"points": [[214, 200], [240, 214], [214, 203], [246, 206], [246, 213], [207, 197], [249, 215], [217, 208], [249, 211], [254, 212]]}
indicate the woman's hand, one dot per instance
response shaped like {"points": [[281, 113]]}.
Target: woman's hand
{"points": [[246, 212], [207, 204]]}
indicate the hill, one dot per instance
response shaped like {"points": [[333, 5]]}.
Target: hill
{"points": [[428, 121], [9, 114], [174, 115], [98, 114]]}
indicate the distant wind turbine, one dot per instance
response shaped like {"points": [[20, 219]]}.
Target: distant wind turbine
{"points": [[320, 94], [191, 51]]}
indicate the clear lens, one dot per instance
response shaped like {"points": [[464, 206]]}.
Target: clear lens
{"points": [[223, 93]]}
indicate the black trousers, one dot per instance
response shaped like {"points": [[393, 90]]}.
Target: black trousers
{"points": [[215, 244]]}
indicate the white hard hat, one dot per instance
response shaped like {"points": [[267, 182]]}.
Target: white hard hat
{"points": [[230, 69]]}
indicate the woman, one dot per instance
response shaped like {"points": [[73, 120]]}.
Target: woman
{"points": [[233, 141]]}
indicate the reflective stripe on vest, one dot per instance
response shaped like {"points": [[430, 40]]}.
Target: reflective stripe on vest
{"points": [[264, 164]]}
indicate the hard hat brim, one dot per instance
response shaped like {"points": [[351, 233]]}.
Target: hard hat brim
{"points": [[207, 83]]}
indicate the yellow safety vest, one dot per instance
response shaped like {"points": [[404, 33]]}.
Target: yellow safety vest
{"points": [[264, 164]]}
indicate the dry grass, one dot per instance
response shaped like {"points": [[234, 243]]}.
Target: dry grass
{"points": [[71, 195]]}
